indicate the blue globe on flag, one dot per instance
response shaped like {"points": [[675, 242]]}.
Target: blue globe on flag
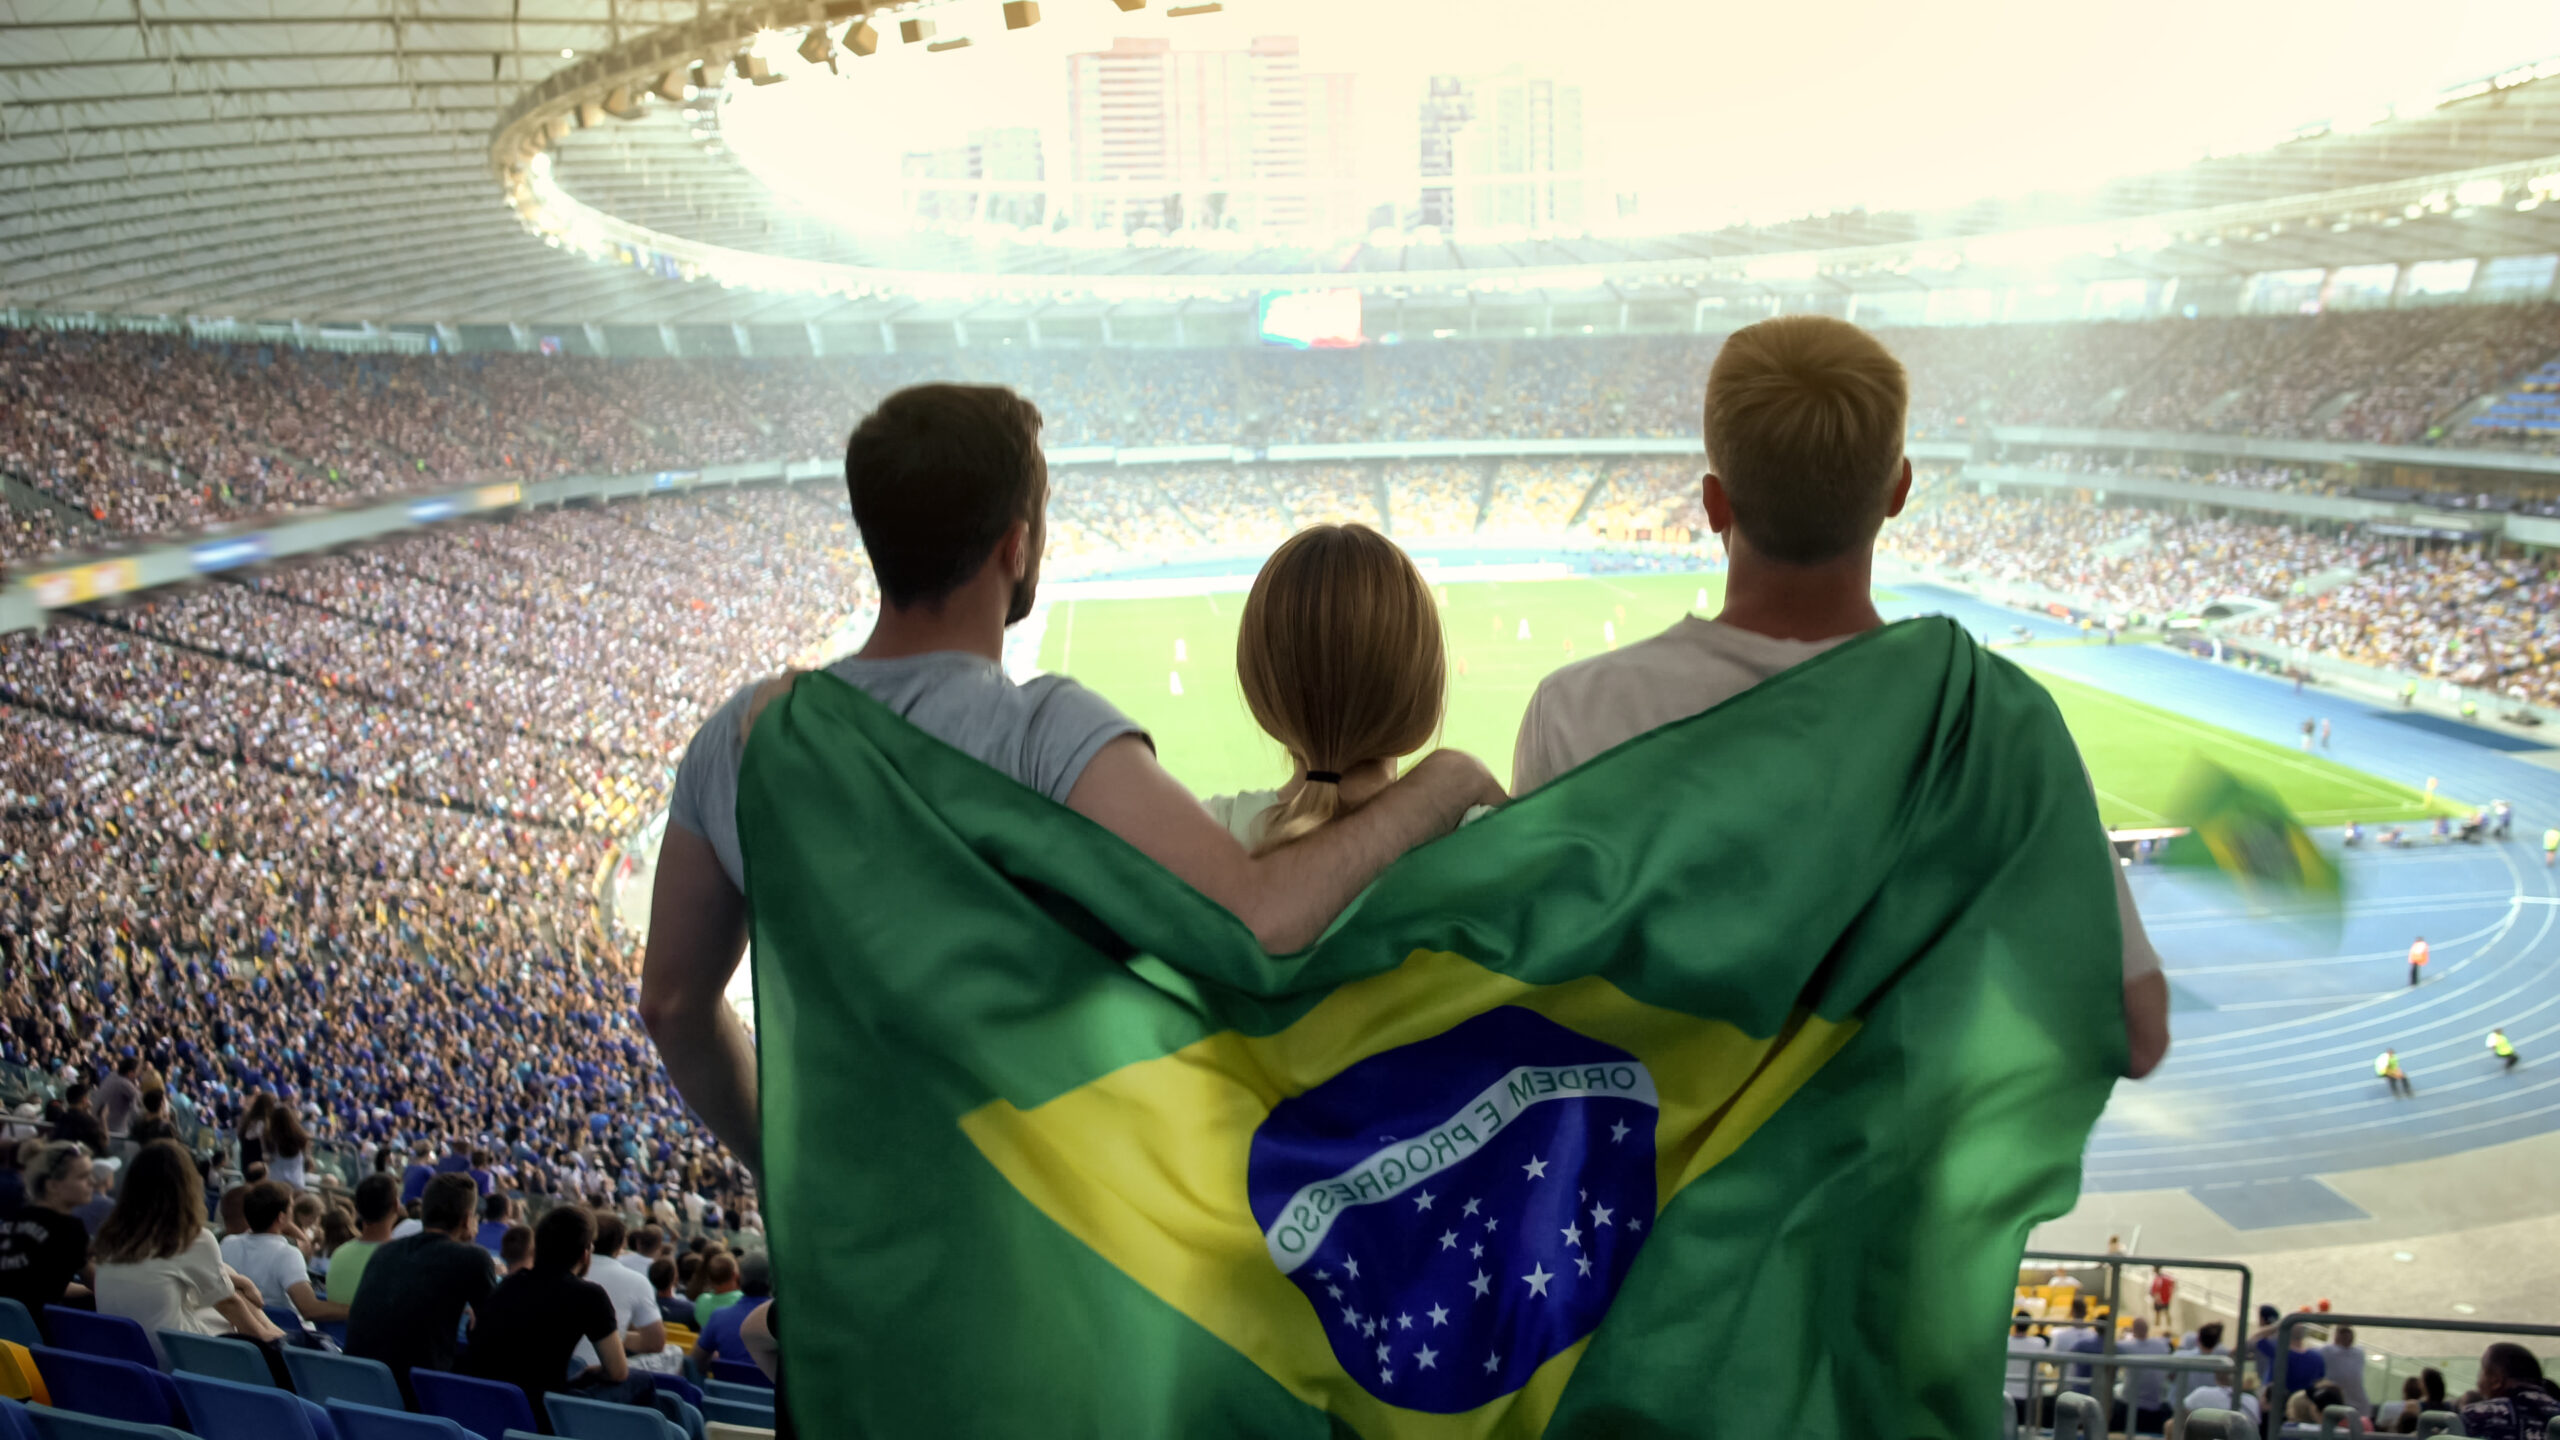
{"points": [[1461, 1210]]}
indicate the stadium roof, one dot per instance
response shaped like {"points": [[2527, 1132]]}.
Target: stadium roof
{"points": [[271, 159]]}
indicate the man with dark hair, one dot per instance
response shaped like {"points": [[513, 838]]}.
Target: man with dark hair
{"points": [[118, 1097], [2514, 1401], [528, 1329], [377, 1214], [950, 493], [515, 1248], [274, 1263], [417, 1288], [644, 1330], [644, 1250], [497, 1212], [77, 1123], [720, 1337]]}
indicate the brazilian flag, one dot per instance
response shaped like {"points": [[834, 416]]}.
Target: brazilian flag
{"points": [[2244, 830], [1710, 1090]]}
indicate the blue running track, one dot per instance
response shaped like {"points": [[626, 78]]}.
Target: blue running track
{"points": [[2278, 1017]]}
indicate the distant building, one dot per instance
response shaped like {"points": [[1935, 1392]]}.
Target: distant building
{"points": [[1503, 149], [1213, 139], [1010, 153]]}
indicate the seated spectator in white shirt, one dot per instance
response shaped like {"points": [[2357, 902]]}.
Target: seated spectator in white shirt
{"points": [[644, 1330], [2024, 1383], [2342, 1362], [272, 1261]]}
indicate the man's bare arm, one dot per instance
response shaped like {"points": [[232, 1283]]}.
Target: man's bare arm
{"points": [[697, 931], [1290, 895]]}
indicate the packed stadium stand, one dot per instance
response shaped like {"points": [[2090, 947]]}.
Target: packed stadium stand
{"points": [[110, 435]]}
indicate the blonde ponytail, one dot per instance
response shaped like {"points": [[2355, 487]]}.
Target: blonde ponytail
{"points": [[1341, 661]]}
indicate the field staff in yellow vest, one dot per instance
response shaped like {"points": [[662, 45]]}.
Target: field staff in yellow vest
{"points": [[2386, 1066], [2502, 1047]]}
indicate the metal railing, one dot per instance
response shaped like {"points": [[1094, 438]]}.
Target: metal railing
{"points": [[2285, 1328], [2220, 1366], [2107, 1362]]}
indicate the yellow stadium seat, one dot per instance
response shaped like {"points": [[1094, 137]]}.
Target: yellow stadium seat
{"points": [[19, 1379], [682, 1336]]}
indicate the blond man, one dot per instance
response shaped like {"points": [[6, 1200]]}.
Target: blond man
{"points": [[1804, 429]]}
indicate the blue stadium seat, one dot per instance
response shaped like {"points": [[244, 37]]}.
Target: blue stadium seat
{"points": [[325, 1379], [732, 1390], [53, 1424], [223, 1357], [602, 1420], [115, 1389], [741, 1372], [14, 1421], [223, 1410], [288, 1319], [372, 1422], [678, 1386], [113, 1336], [486, 1408], [737, 1412], [17, 1325]]}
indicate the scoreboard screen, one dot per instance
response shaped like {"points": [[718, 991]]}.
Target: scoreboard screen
{"points": [[1311, 319]]}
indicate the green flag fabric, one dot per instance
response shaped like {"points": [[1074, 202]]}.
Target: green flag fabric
{"points": [[2244, 830], [1709, 1090]]}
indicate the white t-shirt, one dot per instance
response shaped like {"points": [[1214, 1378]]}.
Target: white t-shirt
{"points": [[1595, 705], [2218, 1397], [293, 1170], [178, 1293], [272, 1263], [635, 1307], [636, 1264]]}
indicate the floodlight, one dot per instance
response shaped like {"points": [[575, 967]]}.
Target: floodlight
{"points": [[1021, 14], [670, 86], [752, 68], [817, 49], [938, 46], [621, 104], [590, 114], [1178, 11], [860, 38], [915, 32], [1129, 5]]}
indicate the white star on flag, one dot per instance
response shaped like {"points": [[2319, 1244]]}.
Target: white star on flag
{"points": [[1449, 1240], [1404, 1322], [1635, 1224], [1368, 1327], [1383, 1355], [1581, 1264], [1324, 1275], [1480, 1284], [1439, 1316], [1538, 1278], [1492, 1363], [1600, 1215], [1618, 1133], [1471, 1208], [1573, 1235], [1536, 1168], [1334, 1290], [1351, 1268], [1423, 1200], [1386, 1377], [1423, 1358], [1491, 1225], [1475, 1252], [1350, 1317]]}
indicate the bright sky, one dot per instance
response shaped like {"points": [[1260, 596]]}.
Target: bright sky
{"points": [[1714, 113]]}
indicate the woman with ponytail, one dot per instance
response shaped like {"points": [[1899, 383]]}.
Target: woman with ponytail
{"points": [[1341, 661]]}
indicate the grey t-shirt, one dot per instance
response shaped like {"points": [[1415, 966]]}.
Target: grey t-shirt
{"points": [[1042, 733]]}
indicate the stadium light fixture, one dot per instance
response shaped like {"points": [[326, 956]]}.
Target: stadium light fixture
{"points": [[1179, 12], [916, 32], [2479, 192], [817, 49], [1021, 14], [861, 39], [670, 86], [938, 46], [621, 104], [568, 54], [1128, 5]]}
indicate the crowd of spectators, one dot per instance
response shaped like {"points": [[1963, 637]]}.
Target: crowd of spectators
{"points": [[123, 434], [330, 837]]}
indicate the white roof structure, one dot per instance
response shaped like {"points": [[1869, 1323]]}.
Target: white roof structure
{"points": [[343, 161]]}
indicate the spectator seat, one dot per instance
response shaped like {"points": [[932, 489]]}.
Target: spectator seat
{"points": [[486, 1408], [15, 1423], [372, 1422], [325, 1379], [732, 1390], [227, 1410], [741, 1372], [221, 1356], [720, 1430], [737, 1412], [112, 1389], [112, 1336], [19, 1378], [17, 1326], [582, 1419], [52, 1424]]}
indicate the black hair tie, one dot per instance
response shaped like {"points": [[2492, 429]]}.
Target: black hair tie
{"points": [[1323, 777]]}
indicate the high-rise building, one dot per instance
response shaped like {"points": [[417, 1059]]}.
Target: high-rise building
{"points": [[1503, 149], [1214, 139], [1009, 153], [1446, 108]]}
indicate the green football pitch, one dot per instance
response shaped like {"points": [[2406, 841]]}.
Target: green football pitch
{"points": [[1171, 664]]}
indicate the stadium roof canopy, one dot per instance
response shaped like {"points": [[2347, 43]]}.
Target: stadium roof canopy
{"points": [[403, 160]]}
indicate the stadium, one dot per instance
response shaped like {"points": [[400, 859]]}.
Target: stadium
{"points": [[418, 422]]}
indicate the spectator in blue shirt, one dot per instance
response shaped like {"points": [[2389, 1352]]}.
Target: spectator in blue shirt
{"points": [[720, 1339], [496, 1211]]}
